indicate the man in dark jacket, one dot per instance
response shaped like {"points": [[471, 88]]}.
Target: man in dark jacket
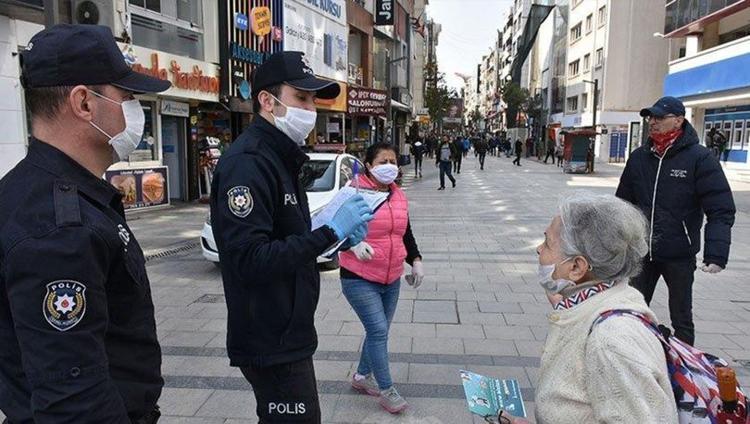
{"points": [[675, 180], [481, 147], [519, 152], [418, 150], [261, 222]]}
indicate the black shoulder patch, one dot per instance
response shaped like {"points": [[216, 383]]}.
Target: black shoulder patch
{"points": [[67, 208]]}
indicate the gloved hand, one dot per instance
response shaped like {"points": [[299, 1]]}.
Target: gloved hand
{"points": [[351, 215], [711, 268], [363, 251], [358, 235], [417, 274]]}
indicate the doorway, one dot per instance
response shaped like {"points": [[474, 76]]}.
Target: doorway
{"points": [[173, 136]]}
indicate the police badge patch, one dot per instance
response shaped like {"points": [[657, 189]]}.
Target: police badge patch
{"points": [[64, 304], [240, 201]]}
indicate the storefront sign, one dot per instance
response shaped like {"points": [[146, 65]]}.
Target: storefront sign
{"points": [[333, 127], [191, 79], [366, 101], [261, 20], [141, 187], [248, 55], [241, 21], [168, 107], [319, 29], [385, 13]]}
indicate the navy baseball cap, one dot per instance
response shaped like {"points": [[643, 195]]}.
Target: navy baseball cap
{"points": [[68, 55], [664, 106], [291, 68]]}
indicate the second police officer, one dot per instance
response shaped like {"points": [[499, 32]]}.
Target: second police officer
{"points": [[268, 251]]}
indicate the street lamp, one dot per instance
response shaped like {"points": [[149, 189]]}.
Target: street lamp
{"points": [[388, 63], [593, 120]]}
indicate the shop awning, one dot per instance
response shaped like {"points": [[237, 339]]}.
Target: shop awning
{"points": [[714, 77], [400, 106]]}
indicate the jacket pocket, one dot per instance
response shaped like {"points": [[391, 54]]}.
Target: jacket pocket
{"points": [[687, 234]]}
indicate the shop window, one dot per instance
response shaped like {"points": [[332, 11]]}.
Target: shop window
{"points": [[739, 126], [746, 139], [727, 131], [147, 149]]}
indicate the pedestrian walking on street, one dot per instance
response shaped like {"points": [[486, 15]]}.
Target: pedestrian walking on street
{"points": [[614, 371], [519, 152], [418, 151], [550, 152], [481, 148], [261, 222], [717, 142], [458, 158], [78, 333], [371, 276], [446, 153], [559, 153], [675, 181]]}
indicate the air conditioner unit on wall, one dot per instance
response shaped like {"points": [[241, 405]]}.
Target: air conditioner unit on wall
{"points": [[102, 12]]}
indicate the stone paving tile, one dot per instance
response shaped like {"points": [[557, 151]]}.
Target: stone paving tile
{"points": [[516, 332], [186, 338], [439, 345], [229, 404], [183, 402], [490, 347], [345, 343], [466, 331], [434, 374]]}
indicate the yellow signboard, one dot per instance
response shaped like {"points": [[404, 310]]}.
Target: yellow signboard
{"points": [[261, 17]]}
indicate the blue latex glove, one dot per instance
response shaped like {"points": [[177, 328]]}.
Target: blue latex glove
{"points": [[358, 235], [355, 212]]}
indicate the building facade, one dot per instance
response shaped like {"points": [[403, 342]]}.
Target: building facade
{"points": [[709, 51]]}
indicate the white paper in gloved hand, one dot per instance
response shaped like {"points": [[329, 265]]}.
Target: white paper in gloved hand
{"points": [[363, 251]]}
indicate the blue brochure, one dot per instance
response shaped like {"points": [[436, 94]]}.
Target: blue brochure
{"points": [[487, 396]]}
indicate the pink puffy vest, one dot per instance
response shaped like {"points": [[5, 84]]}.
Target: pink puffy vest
{"points": [[385, 233]]}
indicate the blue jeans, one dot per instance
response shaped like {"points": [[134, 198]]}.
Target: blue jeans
{"points": [[445, 169], [375, 305]]}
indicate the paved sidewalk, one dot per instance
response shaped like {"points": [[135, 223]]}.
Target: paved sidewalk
{"points": [[478, 309]]}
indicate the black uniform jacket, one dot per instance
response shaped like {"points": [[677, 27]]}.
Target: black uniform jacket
{"points": [[261, 223], [77, 332]]}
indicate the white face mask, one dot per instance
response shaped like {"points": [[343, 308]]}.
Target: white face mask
{"points": [[126, 141], [297, 123], [550, 284], [385, 174]]}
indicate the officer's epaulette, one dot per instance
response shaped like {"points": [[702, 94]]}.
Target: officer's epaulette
{"points": [[67, 207]]}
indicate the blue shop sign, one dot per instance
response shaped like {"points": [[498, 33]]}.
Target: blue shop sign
{"points": [[241, 21], [245, 54]]}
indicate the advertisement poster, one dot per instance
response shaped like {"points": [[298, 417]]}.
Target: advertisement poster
{"points": [[487, 396], [141, 188], [366, 101], [319, 29], [455, 112], [385, 12]]}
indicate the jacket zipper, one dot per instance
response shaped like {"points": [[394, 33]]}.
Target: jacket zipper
{"points": [[690, 242], [653, 206], [390, 241]]}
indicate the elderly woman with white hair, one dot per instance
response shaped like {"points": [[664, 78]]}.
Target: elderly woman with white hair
{"points": [[615, 371]]}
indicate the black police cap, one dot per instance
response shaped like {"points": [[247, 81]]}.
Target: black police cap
{"points": [[67, 55], [291, 68]]}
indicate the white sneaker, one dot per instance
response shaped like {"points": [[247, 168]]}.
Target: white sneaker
{"points": [[391, 401], [367, 385]]}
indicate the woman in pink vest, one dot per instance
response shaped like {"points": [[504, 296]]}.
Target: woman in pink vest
{"points": [[371, 274]]}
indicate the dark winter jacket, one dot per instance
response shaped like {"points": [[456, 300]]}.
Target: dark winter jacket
{"points": [[674, 192], [455, 153]]}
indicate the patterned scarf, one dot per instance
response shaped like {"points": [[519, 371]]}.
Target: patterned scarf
{"points": [[661, 142], [582, 295]]}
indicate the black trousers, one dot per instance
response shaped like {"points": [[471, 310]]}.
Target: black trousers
{"points": [[482, 156], [285, 393], [457, 163], [679, 277], [417, 164], [518, 159], [550, 155]]}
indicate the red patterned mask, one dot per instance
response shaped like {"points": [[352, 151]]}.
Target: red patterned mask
{"points": [[661, 142]]}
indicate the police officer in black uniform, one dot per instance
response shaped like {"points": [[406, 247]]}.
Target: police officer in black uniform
{"points": [[77, 329], [262, 226]]}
